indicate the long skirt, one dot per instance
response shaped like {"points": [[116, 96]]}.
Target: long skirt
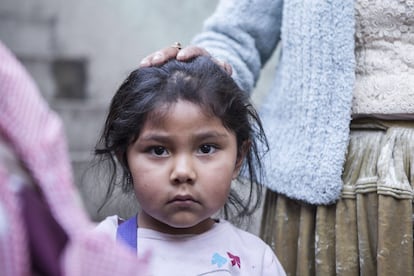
{"points": [[369, 230]]}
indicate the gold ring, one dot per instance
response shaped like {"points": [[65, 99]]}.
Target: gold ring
{"points": [[177, 45]]}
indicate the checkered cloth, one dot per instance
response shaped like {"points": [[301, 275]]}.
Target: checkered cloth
{"points": [[33, 134]]}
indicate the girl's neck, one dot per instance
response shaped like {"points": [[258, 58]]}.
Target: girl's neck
{"points": [[148, 222]]}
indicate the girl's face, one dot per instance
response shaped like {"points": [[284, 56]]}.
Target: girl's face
{"points": [[182, 166]]}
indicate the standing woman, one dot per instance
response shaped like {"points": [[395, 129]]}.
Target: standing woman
{"points": [[339, 118]]}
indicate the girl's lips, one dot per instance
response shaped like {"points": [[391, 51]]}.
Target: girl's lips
{"points": [[183, 199]]}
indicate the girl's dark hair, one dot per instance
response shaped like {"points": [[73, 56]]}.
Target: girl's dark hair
{"points": [[199, 81]]}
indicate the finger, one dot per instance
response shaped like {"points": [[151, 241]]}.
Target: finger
{"points": [[162, 56], [227, 67], [190, 52], [159, 57]]}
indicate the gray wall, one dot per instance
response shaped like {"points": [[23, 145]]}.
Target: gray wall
{"points": [[87, 48]]}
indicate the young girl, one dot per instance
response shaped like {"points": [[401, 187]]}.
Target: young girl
{"points": [[181, 133]]}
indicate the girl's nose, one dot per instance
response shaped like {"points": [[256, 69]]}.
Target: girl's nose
{"points": [[183, 170]]}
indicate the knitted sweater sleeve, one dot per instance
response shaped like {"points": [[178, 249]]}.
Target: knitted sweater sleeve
{"points": [[244, 33]]}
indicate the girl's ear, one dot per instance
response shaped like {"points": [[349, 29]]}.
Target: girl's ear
{"points": [[244, 149]]}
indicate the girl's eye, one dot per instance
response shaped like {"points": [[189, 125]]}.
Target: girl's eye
{"points": [[159, 151], [207, 149]]}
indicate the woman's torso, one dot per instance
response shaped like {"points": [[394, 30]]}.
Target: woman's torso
{"points": [[384, 50]]}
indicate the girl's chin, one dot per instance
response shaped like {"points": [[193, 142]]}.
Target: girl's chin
{"points": [[184, 227]]}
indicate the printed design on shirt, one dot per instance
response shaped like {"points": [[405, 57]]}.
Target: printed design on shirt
{"points": [[218, 260], [221, 260], [235, 260]]}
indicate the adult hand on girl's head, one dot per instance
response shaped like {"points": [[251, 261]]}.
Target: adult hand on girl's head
{"points": [[162, 56]]}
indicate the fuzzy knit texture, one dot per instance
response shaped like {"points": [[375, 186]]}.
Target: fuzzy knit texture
{"points": [[308, 110]]}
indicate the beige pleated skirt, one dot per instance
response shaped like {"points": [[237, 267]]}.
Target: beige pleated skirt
{"points": [[369, 231]]}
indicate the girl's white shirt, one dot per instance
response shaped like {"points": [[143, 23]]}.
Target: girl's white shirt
{"points": [[223, 250]]}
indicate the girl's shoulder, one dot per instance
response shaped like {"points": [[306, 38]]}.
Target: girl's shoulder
{"points": [[239, 236], [224, 224]]}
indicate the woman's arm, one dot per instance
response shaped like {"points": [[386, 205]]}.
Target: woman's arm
{"points": [[240, 35], [243, 33]]}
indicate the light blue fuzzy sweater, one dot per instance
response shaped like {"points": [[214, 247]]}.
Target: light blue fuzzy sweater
{"points": [[308, 111]]}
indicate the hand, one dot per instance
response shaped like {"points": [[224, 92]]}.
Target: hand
{"points": [[162, 56]]}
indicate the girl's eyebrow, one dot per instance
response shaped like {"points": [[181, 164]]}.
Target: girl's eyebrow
{"points": [[165, 137], [210, 134], [155, 137]]}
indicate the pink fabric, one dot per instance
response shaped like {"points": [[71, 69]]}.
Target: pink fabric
{"points": [[36, 135], [14, 256]]}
